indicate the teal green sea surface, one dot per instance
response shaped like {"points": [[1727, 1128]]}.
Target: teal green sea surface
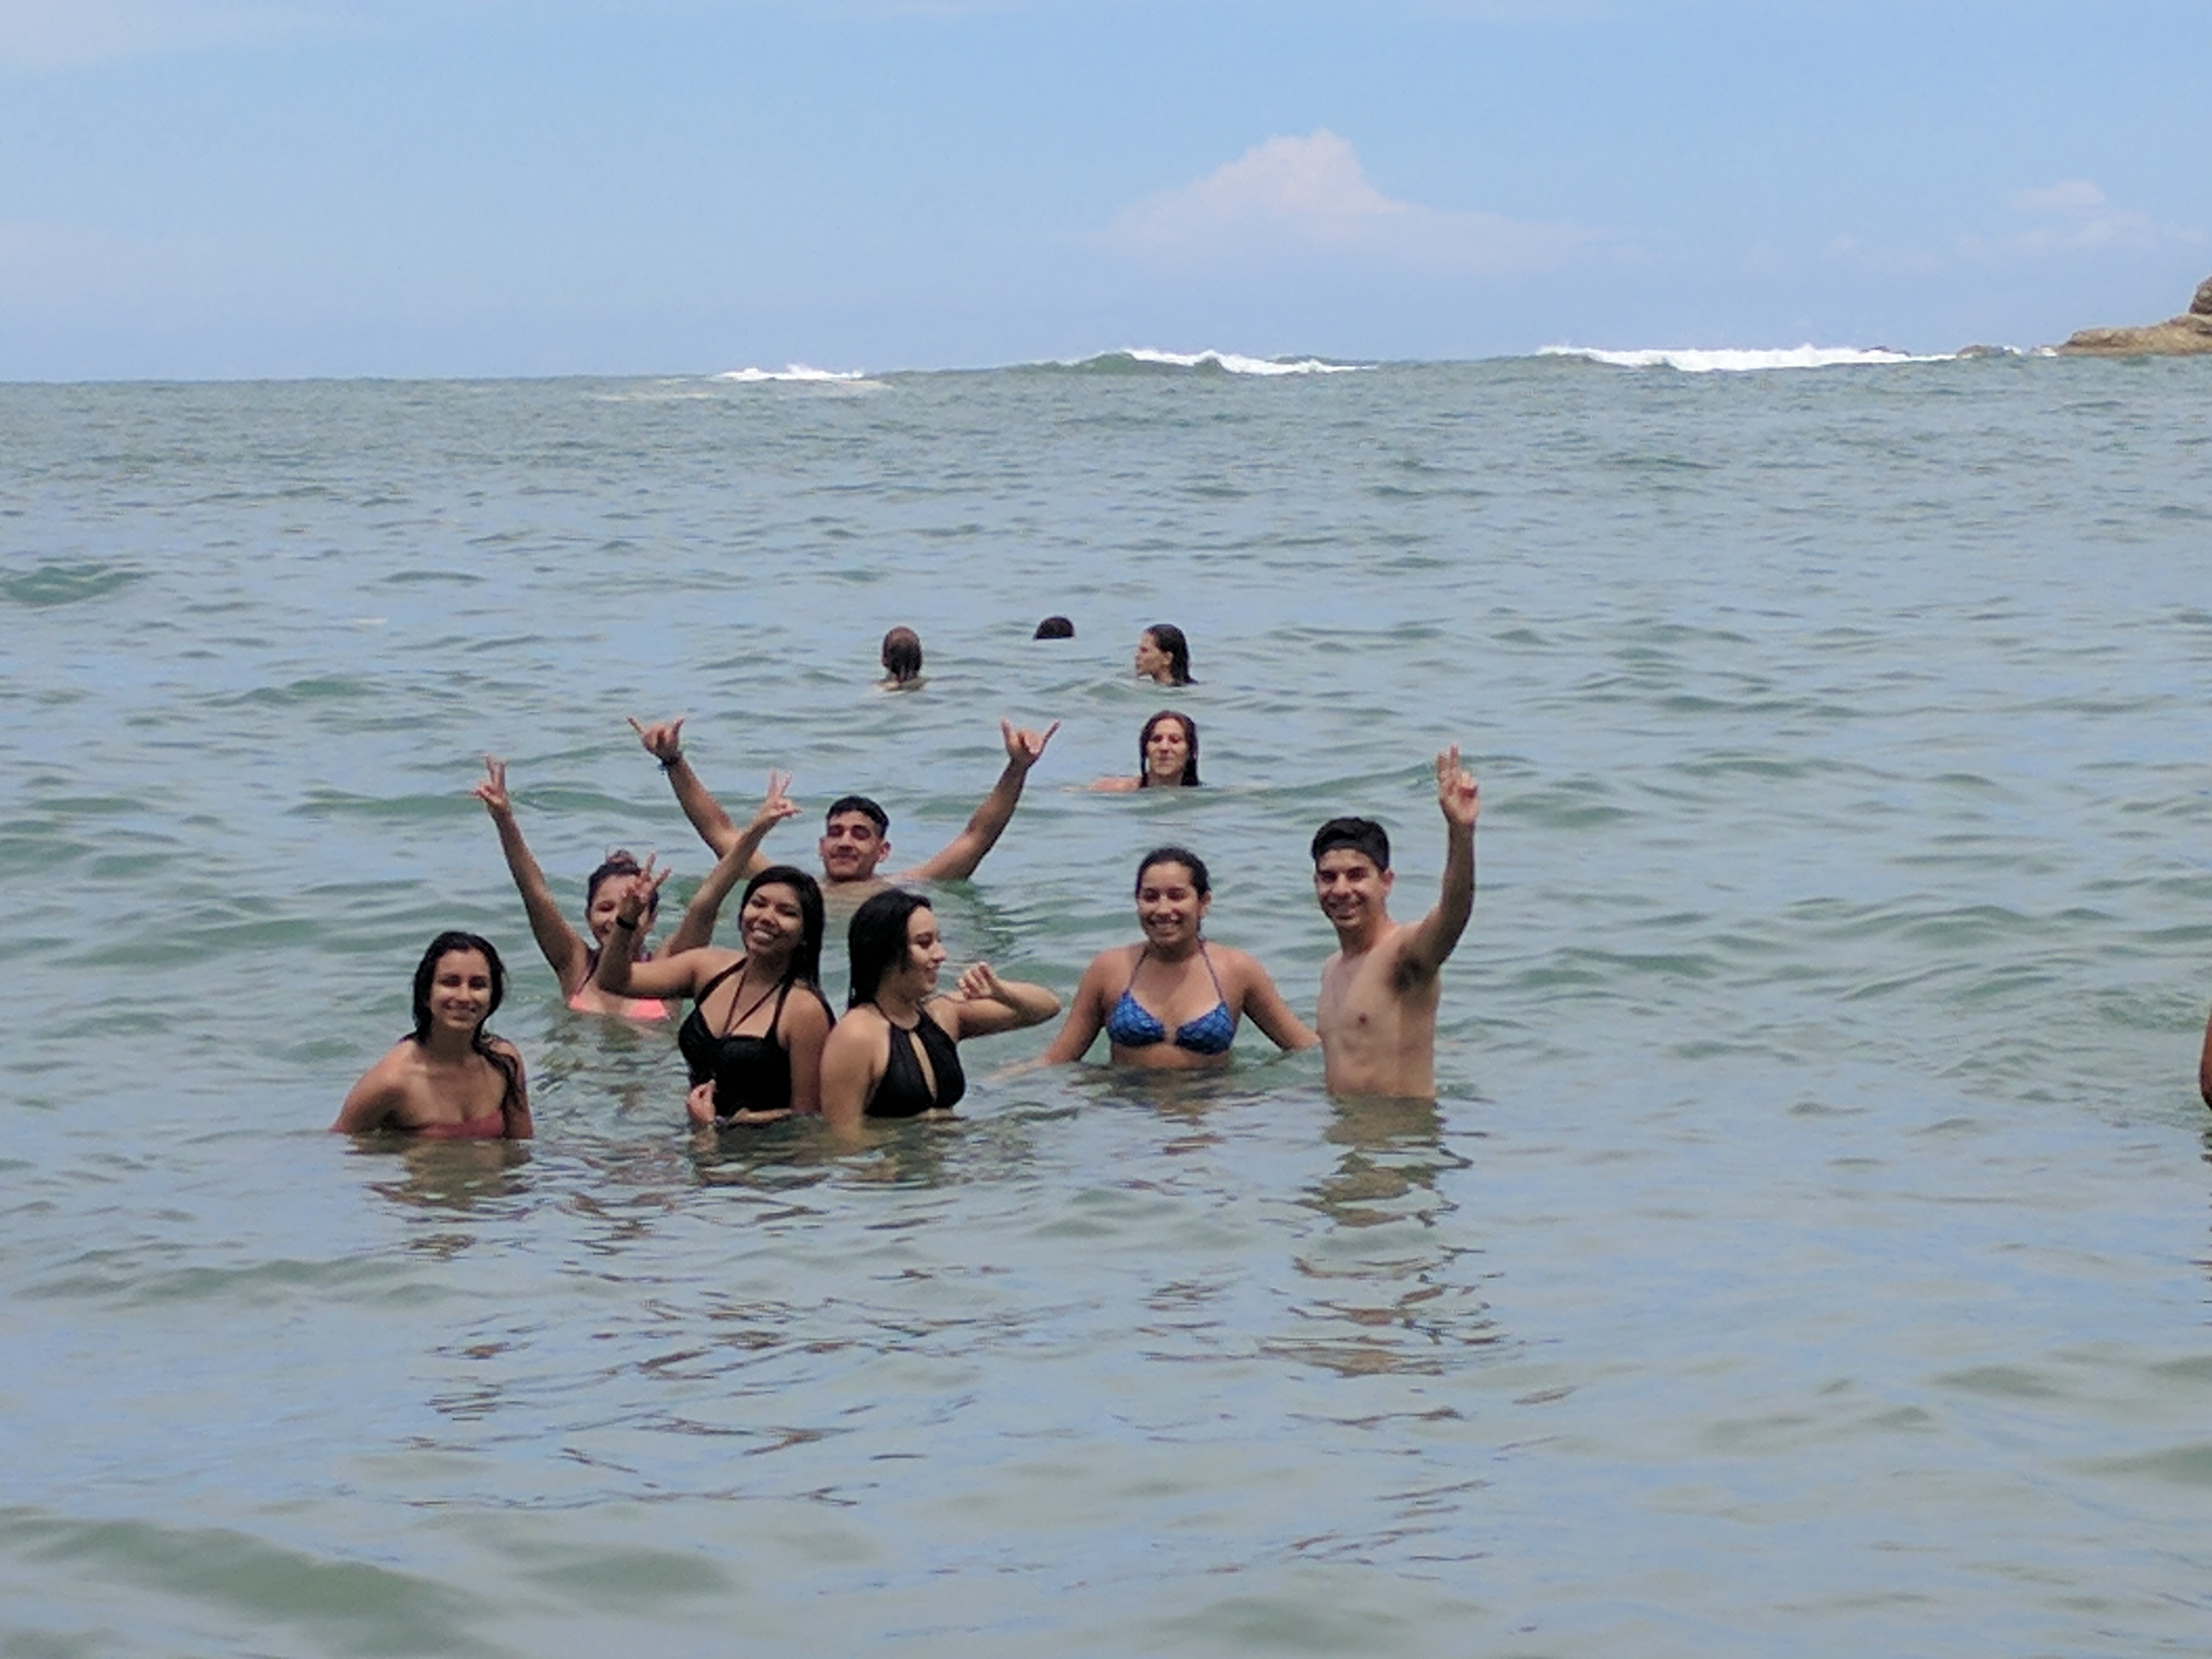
{"points": [[1808, 1254]]}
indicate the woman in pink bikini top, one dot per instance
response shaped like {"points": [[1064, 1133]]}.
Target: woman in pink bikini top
{"points": [[572, 960]]}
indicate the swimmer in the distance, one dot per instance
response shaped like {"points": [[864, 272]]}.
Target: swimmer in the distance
{"points": [[1379, 992], [449, 1079], [1164, 655], [901, 660], [1167, 756]]}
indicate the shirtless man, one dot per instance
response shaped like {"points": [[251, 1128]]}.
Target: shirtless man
{"points": [[855, 830], [1378, 993]]}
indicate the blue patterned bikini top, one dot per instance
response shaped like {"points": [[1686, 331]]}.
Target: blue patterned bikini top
{"points": [[1133, 1025]]}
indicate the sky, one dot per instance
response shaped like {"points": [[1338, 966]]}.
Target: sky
{"points": [[229, 188]]}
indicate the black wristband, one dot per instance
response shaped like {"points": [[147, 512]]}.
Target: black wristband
{"points": [[672, 762]]}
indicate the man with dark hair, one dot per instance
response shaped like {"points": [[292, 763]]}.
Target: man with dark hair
{"points": [[1379, 992], [855, 830]]}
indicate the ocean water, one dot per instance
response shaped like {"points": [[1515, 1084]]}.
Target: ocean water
{"points": [[1807, 1254]]}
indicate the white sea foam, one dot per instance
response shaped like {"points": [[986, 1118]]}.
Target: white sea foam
{"points": [[1229, 362], [1693, 360], [798, 372]]}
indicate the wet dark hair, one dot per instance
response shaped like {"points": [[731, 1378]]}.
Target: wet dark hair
{"points": [[1201, 882], [620, 862], [876, 940], [426, 973], [1169, 639], [1359, 835], [806, 960], [862, 804], [1055, 627], [902, 653], [1190, 736]]}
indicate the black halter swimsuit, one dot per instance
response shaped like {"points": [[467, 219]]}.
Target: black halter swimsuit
{"points": [[904, 1092], [750, 1074]]}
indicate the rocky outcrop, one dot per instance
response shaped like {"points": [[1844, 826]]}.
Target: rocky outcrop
{"points": [[2186, 336]]}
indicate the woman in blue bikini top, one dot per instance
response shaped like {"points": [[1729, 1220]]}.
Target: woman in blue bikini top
{"points": [[1174, 973]]}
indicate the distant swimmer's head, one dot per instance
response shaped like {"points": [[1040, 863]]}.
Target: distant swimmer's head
{"points": [[854, 838], [604, 888], [458, 985], [1167, 752], [902, 657], [1164, 655], [780, 912], [1055, 627], [1174, 892], [893, 939], [1352, 870]]}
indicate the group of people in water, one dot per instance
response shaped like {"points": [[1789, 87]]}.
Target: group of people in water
{"points": [[761, 1042]]}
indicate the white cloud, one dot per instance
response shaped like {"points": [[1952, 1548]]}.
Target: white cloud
{"points": [[2077, 217], [2067, 196], [1311, 193]]}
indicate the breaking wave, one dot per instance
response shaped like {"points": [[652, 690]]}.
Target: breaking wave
{"points": [[1135, 358], [1725, 361], [798, 372]]}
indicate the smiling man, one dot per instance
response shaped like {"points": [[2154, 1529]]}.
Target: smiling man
{"points": [[1378, 993], [855, 831]]}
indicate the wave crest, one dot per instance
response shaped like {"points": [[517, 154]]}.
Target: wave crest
{"points": [[794, 372], [1140, 359], [1725, 361]]}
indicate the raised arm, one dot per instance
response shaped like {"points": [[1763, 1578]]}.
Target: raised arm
{"points": [[2204, 1066], [984, 1004], [697, 928], [957, 860], [664, 741], [1430, 940], [1265, 1007], [564, 951], [1086, 1014]]}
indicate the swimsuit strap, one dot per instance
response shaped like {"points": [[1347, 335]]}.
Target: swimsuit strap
{"points": [[699, 998], [779, 991], [1207, 957], [1135, 968]]}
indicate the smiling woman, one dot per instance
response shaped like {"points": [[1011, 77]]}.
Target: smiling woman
{"points": [[448, 1079], [1167, 756], [1132, 992]]}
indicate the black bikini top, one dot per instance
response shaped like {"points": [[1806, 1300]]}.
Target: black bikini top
{"points": [[750, 1074], [904, 1092]]}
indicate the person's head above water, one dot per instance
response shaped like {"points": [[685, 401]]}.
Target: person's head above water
{"points": [[429, 975], [855, 834], [903, 656], [604, 887], [1055, 627], [1362, 835], [1167, 751], [1164, 655], [782, 907], [1173, 894], [1351, 873], [886, 943]]}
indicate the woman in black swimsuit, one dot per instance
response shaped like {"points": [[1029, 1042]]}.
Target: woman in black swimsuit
{"points": [[894, 1054], [754, 1037]]}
